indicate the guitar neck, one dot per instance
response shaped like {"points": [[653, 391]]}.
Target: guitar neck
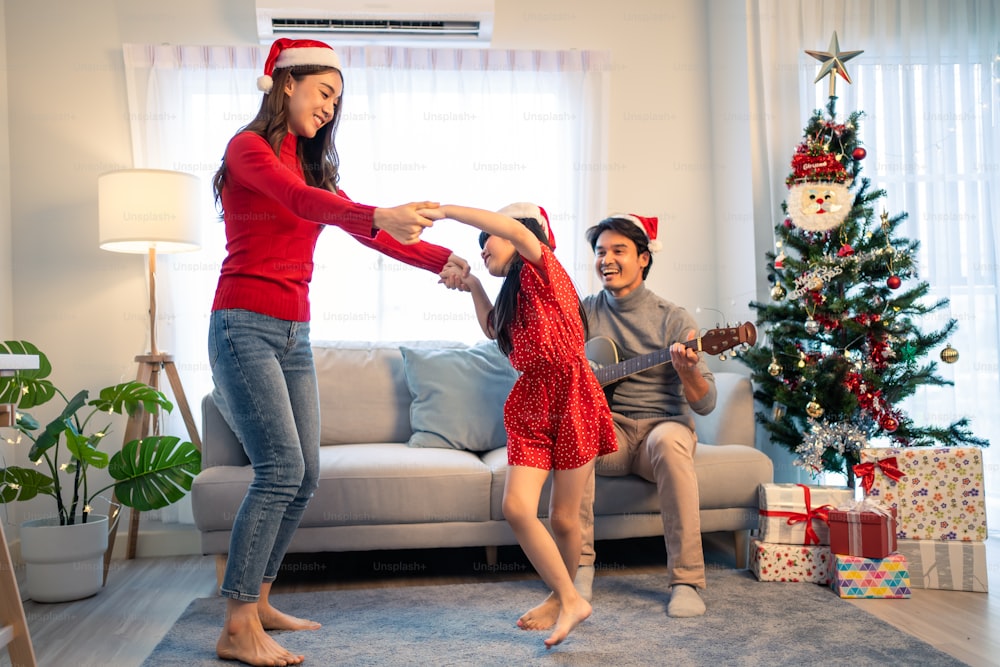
{"points": [[623, 369]]}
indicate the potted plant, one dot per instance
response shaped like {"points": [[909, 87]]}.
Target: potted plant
{"points": [[147, 474]]}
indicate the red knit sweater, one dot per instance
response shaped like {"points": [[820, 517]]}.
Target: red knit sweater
{"points": [[273, 219]]}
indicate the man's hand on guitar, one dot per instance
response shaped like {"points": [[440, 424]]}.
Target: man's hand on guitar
{"points": [[684, 358]]}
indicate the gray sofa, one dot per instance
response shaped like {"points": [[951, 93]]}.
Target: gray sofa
{"points": [[378, 492]]}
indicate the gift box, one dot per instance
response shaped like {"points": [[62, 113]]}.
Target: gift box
{"points": [[946, 564], [791, 562], [797, 514], [937, 491], [865, 530], [857, 577]]}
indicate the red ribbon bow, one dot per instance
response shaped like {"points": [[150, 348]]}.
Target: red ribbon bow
{"points": [[866, 471], [821, 513]]}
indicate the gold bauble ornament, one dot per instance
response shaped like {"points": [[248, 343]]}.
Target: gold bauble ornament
{"points": [[814, 409], [774, 368], [812, 327], [778, 293], [949, 355]]}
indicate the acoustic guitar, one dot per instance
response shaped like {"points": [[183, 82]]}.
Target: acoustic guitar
{"points": [[606, 358]]}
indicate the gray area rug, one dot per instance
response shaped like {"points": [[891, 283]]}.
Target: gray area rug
{"points": [[747, 623]]}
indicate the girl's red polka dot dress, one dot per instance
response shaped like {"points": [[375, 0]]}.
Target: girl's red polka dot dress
{"points": [[556, 415]]}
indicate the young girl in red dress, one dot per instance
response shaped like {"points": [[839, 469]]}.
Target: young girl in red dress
{"points": [[556, 416]]}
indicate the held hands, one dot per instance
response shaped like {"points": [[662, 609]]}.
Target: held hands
{"points": [[455, 273], [435, 213], [405, 222], [455, 278]]}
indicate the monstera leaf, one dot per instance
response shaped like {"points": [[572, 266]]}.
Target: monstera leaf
{"points": [[154, 472], [29, 388], [18, 483]]}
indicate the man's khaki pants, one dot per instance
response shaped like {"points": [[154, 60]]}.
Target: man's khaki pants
{"points": [[662, 452]]}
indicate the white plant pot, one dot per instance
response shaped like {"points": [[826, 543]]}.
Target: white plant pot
{"points": [[64, 563]]}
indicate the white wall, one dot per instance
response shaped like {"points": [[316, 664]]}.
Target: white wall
{"points": [[6, 256], [673, 141]]}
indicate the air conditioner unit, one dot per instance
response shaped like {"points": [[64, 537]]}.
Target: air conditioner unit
{"points": [[403, 22]]}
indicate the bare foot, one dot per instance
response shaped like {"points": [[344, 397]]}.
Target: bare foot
{"points": [[569, 617], [273, 619], [541, 617], [247, 642]]}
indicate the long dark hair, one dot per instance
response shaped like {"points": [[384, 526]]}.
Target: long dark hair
{"points": [[318, 155], [626, 228], [504, 312]]}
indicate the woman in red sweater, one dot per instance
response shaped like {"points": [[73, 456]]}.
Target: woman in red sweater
{"points": [[277, 188]]}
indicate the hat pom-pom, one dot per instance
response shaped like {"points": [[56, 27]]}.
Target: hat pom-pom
{"points": [[655, 245], [265, 83]]}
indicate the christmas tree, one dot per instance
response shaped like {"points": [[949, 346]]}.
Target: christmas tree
{"points": [[843, 344]]}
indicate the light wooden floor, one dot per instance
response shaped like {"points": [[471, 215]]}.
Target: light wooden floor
{"points": [[143, 597]]}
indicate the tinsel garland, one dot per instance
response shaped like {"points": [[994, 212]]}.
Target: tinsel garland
{"points": [[843, 437]]}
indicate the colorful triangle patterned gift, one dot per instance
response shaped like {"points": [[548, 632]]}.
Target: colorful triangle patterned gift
{"points": [[857, 577]]}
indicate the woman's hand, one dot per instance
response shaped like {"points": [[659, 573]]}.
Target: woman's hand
{"points": [[455, 273], [436, 213], [404, 223]]}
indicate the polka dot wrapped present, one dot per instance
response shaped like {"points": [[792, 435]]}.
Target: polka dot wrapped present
{"points": [[937, 491]]}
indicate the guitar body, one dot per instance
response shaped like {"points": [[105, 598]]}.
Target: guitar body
{"points": [[603, 352]]}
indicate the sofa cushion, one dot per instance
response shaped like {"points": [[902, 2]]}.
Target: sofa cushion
{"points": [[364, 484], [363, 395], [728, 476], [458, 396]]}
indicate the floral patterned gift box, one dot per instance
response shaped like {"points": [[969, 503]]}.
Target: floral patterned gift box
{"points": [[937, 491], [790, 562]]}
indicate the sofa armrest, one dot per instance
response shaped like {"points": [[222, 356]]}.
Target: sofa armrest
{"points": [[219, 445], [732, 421]]}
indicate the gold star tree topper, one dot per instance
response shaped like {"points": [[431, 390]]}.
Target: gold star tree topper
{"points": [[833, 60]]}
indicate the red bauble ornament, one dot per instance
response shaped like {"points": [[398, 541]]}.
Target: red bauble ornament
{"points": [[859, 153], [889, 423], [894, 282]]}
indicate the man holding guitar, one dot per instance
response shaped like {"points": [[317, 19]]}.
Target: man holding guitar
{"points": [[651, 409]]}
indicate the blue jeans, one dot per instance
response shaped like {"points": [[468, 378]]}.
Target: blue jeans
{"points": [[265, 387]]}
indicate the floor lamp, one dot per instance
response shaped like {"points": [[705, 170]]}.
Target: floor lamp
{"points": [[150, 211]]}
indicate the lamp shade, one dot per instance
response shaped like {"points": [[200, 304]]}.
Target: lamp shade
{"points": [[140, 209]]}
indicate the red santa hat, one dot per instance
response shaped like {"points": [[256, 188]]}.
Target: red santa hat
{"points": [[525, 209], [648, 225], [291, 52]]}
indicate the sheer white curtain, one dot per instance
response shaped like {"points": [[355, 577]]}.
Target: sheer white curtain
{"points": [[478, 127], [929, 84]]}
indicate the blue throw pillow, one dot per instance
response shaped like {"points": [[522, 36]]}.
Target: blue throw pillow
{"points": [[458, 396]]}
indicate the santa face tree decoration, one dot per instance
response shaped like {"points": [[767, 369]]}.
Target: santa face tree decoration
{"points": [[843, 345], [818, 195]]}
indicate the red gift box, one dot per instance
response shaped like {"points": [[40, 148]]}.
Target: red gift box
{"points": [[865, 531]]}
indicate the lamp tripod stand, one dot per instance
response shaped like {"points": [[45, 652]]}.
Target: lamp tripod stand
{"points": [[143, 424]]}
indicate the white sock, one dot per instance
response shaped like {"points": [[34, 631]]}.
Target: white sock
{"points": [[685, 602]]}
